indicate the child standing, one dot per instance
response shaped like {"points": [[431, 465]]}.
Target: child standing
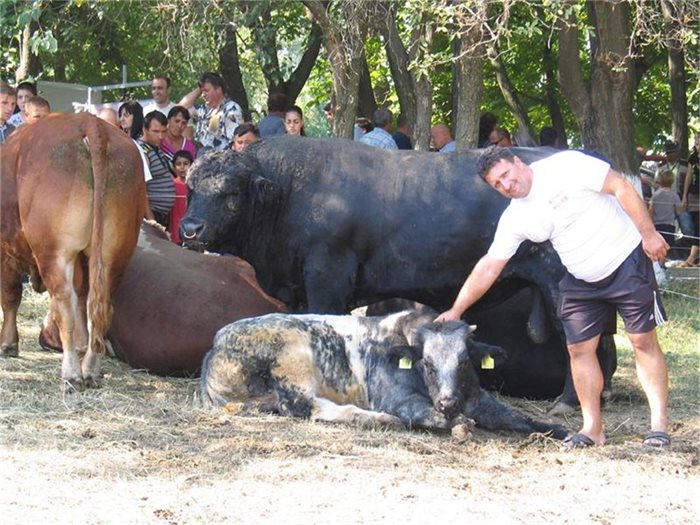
{"points": [[182, 160]]}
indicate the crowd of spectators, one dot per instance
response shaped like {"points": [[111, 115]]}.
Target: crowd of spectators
{"points": [[206, 118]]}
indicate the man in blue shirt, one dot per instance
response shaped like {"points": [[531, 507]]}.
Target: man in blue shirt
{"points": [[380, 136]]}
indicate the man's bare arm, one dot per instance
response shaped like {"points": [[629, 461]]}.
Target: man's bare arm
{"points": [[190, 99], [477, 284], [653, 243]]}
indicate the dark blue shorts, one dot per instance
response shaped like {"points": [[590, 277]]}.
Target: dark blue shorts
{"points": [[585, 309]]}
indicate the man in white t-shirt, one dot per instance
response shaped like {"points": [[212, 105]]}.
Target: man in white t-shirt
{"points": [[605, 238], [160, 89]]}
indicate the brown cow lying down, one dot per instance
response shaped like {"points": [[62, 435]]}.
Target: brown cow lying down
{"points": [[171, 302], [73, 196]]}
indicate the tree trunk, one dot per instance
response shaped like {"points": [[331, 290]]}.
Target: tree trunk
{"points": [[603, 112], [258, 17], [676, 74], [366, 104], [414, 90], [524, 131], [29, 64], [231, 71], [468, 88], [552, 102], [344, 38]]}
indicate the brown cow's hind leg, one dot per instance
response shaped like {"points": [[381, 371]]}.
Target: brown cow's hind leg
{"points": [[64, 305], [11, 298]]}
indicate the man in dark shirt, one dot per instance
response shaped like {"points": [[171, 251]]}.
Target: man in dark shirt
{"points": [[161, 187], [402, 135]]}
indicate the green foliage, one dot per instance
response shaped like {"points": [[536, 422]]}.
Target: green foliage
{"points": [[88, 42]]}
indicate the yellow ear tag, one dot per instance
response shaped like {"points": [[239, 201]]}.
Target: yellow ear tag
{"points": [[487, 362], [405, 363]]}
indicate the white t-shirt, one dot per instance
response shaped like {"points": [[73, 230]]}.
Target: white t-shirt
{"points": [[154, 107], [146, 169], [589, 230]]}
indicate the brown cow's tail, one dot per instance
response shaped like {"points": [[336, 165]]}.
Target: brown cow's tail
{"points": [[99, 303]]}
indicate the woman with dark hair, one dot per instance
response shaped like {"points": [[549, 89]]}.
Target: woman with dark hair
{"points": [[25, 91], [131, 119], [294, 121], [174, 139]]}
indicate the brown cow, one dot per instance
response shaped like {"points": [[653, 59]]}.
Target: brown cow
{"points": [[73, 196], [171, 301]]}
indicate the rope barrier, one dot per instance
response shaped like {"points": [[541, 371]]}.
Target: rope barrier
{"points": [[665, 290]]}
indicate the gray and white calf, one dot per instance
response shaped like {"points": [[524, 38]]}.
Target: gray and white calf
{"points": [[401, 369]]}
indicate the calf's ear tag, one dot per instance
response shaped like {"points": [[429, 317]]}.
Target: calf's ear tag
{"points": [[405, 363], [487, 362]]}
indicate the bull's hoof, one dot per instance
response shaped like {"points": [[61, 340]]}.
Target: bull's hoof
{"points": [[561, 408], [92, 382], [11, 350]]}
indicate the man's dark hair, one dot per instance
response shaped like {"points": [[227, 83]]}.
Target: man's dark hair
{"points": [[548, 136], [401, 120], [490, 157], [178, 110], [382, 117], [214, 79], [154, 115], [246, 127], [27, 86], [163, 77], [277, 102]]}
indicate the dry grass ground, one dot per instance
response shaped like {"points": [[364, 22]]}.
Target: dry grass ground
{"points": [[141, 450]]}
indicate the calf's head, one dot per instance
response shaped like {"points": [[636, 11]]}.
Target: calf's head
{"points": [[450, 356]]}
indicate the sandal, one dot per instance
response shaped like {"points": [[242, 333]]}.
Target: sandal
{"points": [[578, 441], [657, 439]]}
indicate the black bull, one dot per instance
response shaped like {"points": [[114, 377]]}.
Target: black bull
{"points": [[332, 224]]}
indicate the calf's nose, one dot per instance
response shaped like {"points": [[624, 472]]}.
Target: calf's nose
{"points": [[447, 405]]}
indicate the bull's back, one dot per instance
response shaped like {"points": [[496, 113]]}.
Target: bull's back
{"points": [[412, 218]]}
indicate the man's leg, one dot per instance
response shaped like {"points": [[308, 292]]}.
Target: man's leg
{"points": [[588, 381], [653, 376]]}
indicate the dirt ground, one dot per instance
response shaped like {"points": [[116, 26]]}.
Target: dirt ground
{"points": [[141, 450]]}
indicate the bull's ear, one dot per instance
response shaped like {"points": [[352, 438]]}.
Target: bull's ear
{"points": [[478, 352], [412, 353], [262, 189]]}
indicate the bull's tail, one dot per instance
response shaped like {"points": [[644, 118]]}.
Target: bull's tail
{"points": [[99, 304]]}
